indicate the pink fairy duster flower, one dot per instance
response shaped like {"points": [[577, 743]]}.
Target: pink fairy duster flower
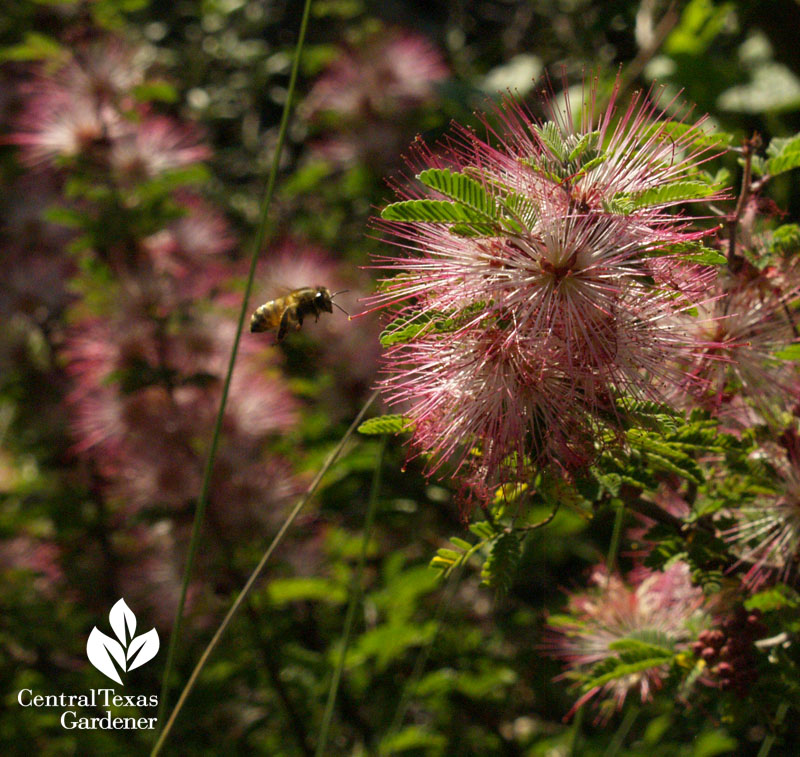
{"points": [[155, 145], [745, 328], [766, 533], [367, 97], [250, 497], [659, 608], [38, 557], [553, 255], [144, 398], [191, 250], [149, 570], [480, 389], [56, 123], [393, 72], [107, 70]]}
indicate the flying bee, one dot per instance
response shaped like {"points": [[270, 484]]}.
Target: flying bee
{"points": [[288, 312]]}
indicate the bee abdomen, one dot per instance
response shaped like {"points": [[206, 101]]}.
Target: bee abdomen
{"points": [[263, 318]]}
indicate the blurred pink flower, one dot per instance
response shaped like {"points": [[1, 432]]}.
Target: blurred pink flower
{"points": [[57, 123], [661, 608], [365, 101], [150, 570], [563, 283], [38, 557], [392, 72], [766, 533], [191, 250], [744, 328], [155, 145], [143, 403]]}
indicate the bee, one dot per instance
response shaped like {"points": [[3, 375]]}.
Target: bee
{"points": [[288, 312]]}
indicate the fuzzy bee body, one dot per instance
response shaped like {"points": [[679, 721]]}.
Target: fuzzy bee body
{"points": [[288, 312]]}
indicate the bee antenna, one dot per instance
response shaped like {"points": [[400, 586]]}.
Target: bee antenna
{"points": [[341, 291], [340, 307]]}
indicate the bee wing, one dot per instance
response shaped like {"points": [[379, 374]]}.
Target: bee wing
{"points": [[288, 319]]}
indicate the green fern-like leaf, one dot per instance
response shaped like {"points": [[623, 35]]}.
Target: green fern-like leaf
{"points": [[678, 191], [785, 240], [386, 424], [460, 188], [403, 330], [551, 137], [501, 566], [447, 560], [706, 257], [635, 650], [783, 155], [677, 131], [474, 230], [585, 144], [431, 211], [590, 165], [623, 669], [790, 353]]}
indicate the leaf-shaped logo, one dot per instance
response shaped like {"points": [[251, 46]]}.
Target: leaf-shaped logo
{"points": [[143, 649], [122, 619], [100, 649], [129, 652]]}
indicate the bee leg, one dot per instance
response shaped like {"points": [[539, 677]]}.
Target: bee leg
{"points": [[286, 321]]}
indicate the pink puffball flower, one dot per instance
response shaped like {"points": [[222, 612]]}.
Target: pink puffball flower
{"points": [[366, 100], [154, 146], [391, 73], [766, 534], [745, 328], [57, 124], [544, 236], [661, 608], [77, 108]]}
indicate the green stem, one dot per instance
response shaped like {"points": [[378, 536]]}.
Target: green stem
{"points": [[577, 727], [215, 639], [769, 740], [622, 732], [212, 452], [355, 597], [613, 549]]}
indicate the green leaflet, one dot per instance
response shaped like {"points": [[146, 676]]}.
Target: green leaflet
{"points": [[585, 143], [432, 211], [695, 252], [792, 352], [386, 424], [622, 669], [551, 137], [635, 650], [402, 330], [501, 566], [783, 155], [460, 188], [775, 598], [709, 257], [447, 560], [678, 191], [698, 138], [785, 240]]}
